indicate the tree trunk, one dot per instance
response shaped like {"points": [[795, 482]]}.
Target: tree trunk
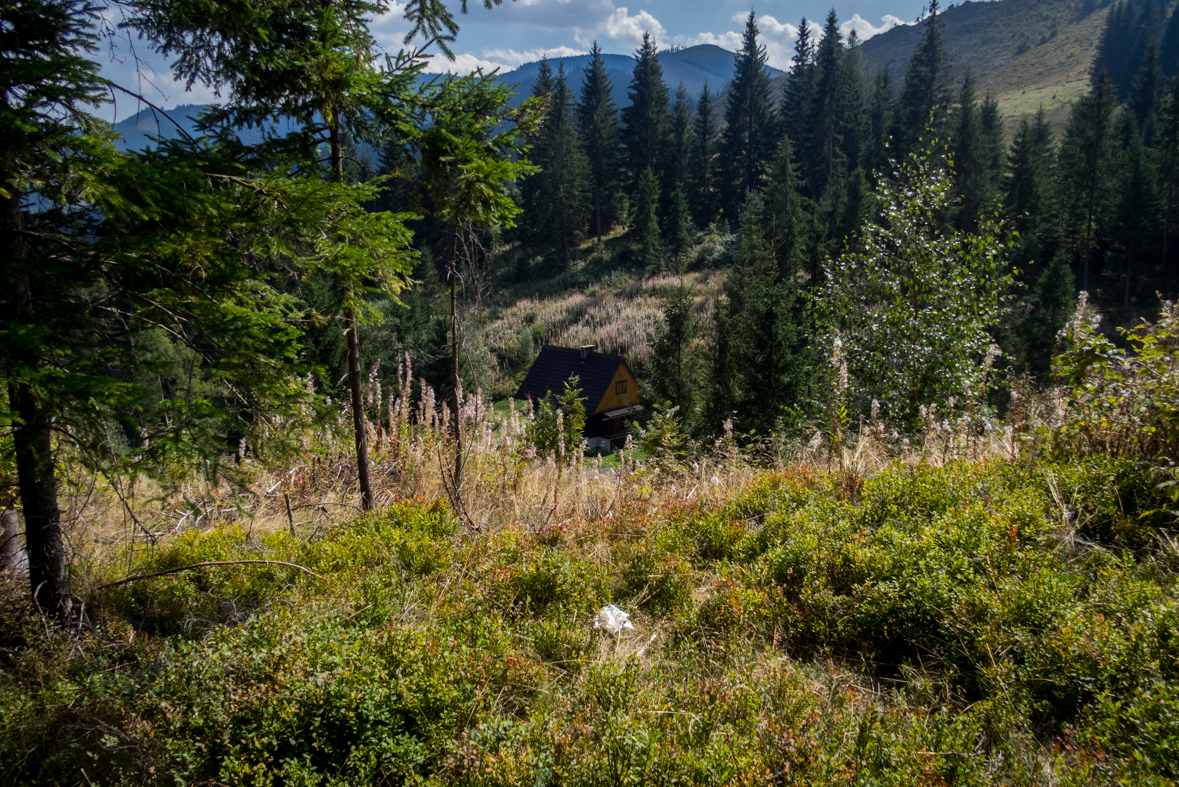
{"points": [[1126, 297], [12, 557], [33, 436], [358, 425], [351, 330], [455, 381], [1167, 212], [598, 210]]}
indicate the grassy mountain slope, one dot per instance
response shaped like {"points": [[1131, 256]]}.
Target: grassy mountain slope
{"points": [[1052, 75], [1026, 53]]}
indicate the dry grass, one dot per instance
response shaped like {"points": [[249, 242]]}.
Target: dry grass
{"points": [[505, 484], [619, 319]]}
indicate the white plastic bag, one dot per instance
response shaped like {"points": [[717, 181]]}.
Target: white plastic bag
{"points": [[612, 619]]}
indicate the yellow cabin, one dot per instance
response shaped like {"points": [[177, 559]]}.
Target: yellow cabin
{"points": [[609, 389]]}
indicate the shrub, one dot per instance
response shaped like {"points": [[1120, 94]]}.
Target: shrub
{"points": [[1122, 402]]}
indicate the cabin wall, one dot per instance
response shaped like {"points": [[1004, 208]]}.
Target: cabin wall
{"points": [[614, 398]]}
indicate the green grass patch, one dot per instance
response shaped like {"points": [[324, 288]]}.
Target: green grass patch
{"points": [[988, 623]]}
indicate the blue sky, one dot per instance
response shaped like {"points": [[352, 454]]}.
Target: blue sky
{"points": [[522, 31]]}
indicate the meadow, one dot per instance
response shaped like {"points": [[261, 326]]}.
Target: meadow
{"points": [[959, 609]]}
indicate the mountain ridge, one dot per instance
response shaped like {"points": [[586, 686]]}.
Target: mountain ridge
{"points": [[1028, 54]]}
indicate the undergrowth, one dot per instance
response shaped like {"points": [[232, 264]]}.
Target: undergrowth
{"points": [[978, 623]]}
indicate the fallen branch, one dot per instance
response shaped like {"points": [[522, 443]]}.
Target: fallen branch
{"points": [[125, 580]]}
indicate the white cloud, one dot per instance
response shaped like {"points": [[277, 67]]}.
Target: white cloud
{"points": [[779, 37], [512, 58], [463, 63], [622, 28], [865, 30], [503, 59], [730, 40]]}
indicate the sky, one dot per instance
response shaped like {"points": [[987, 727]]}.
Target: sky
{"points": [[522, 31]]}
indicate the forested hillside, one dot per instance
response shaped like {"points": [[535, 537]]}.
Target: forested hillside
{"points": [[778, 183], [897, 501]]}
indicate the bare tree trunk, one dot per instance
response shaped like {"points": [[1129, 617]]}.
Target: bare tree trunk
{"points": [[455, 381], [33, 437], [351, 330], [598, 210], [1126, 297], [12, 557], [1167, 212], [358, 425]]}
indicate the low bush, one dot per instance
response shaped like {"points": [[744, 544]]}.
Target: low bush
{"points": [[978, 623]]}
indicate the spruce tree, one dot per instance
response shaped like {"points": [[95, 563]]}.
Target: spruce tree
{"points": [[1087, 161], [854, 89], [766, 340], [972, 181], [925, 98], [316, 66], [1135, 226], [530, 188], [787, 223], [645, 227], [681, 142], [679, 227], [48, 84], [827, 114], [675, 358], [1028, 186], [1169, 45], [798, 95], [558, 192], [1116, 44], [702, 172], [597, 124], [748, 139], [880, 123], [645, 120], [1149, 23], [1146, 94], [1169, 170], [994, 147]]}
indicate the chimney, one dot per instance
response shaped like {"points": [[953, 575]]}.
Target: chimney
{"points": [[586, 349]]}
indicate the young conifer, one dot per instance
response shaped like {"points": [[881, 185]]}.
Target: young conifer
{"points": [[645, 121], [597, 125], [748, 140], [702, 174], [925, 98]]}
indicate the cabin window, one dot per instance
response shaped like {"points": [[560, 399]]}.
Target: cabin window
{"points": [[620, 387]]}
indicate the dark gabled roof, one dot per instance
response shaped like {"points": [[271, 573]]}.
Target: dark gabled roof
{"points": [[555, 365]]}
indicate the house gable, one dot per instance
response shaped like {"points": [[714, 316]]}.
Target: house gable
{"points": [[622, 391]]}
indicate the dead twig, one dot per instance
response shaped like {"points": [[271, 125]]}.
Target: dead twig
{"points": [[136, 577]]}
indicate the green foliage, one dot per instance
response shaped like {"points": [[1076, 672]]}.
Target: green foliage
{"points": [[914, 308], [645, 120], [747, 142], [425, 656], [556, 196], [646, 222], [675, 363], [558, 424], [1124, 402], [662, 437], [769, 367], [597, 127]]}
